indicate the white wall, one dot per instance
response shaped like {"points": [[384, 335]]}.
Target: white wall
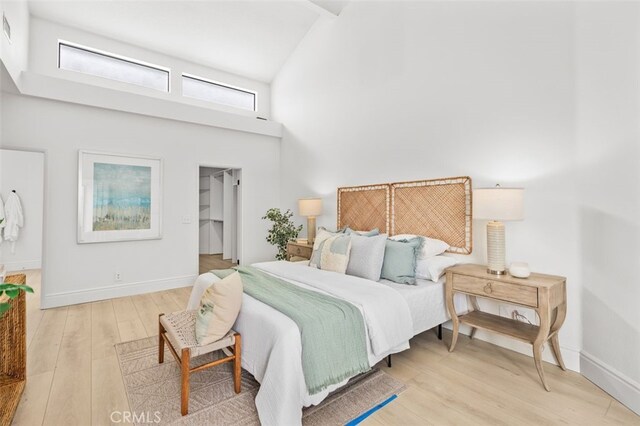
{"points": [[76, 273], [24, 172], [31, 61], [542, 95], [44, 79], [608, 149], [394, 91], [14, 54], [43, 60]]}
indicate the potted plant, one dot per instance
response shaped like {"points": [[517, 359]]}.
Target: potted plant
{"points": [[8, 292], [282, 231], [13, 356]]}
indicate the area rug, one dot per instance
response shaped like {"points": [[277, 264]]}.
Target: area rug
{"points": [[153, 391]]}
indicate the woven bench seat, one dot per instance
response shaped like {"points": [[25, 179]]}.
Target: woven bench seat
{"points": [[178, 331], [181, 332]]}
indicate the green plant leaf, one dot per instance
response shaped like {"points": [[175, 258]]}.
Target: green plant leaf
{"points": [[282, 230], [4, 307], [9, 286], [12, 293]]}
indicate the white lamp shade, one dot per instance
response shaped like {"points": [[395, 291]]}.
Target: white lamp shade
{"points": [[498, 203], [310, 207]]}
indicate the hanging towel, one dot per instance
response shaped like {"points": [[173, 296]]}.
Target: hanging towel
{"points": [[14, 219], [3, 222]]}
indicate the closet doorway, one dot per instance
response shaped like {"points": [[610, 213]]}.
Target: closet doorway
{"points": [[220, 198]]}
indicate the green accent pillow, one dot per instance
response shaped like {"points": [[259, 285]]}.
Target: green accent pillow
{"points": [[399, 263]]}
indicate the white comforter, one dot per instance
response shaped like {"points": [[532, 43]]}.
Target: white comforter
{"points": [[272, 349]]}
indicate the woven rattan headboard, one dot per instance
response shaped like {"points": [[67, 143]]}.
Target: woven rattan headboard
{"points": [[436, 208], [365, 207]]}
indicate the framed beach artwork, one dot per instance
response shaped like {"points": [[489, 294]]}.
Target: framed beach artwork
{"points": [[119, 197]]}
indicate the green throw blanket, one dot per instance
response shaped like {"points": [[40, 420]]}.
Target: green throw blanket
{"points": [[332, 330]]}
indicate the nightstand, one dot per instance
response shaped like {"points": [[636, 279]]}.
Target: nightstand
{"points": [[546, 294], [295, 249]]}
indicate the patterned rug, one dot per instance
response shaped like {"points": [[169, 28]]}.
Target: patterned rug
{"points": [[154, 390]]}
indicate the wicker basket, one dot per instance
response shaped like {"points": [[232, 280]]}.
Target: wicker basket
{"points": [[13, 353]]}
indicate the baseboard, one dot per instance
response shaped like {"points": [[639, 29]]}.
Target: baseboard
{"points": [[571, 357], [23, 265], [110, 292], [616, 384]]}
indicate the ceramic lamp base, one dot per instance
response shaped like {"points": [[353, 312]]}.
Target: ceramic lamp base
{"points": [[495, 248], [311, 229]]}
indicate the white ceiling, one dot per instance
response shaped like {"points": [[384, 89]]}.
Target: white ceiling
{"points": [[252, 38]]}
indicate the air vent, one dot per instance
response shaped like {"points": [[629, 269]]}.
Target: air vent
{"points": [[6, 27]]}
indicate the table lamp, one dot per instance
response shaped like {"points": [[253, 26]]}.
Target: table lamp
{"points": [[310, 207], [497, 204]]}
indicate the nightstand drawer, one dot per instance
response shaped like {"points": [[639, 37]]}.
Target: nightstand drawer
{"points": [[496, 290], [299, 250]]}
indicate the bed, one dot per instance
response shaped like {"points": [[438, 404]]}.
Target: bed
{"points": [[393, 313], [426, 303]]}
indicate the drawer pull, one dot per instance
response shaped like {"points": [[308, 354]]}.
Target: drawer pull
{"points": [[298, 250], [487, 288]]}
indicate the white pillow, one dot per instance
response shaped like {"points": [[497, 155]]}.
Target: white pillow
{"points": [[219, 308], [433, 267], [321, 237], [431, 247], [334, 253]]}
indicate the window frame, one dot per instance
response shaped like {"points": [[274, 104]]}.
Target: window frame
{"points": [[220, 84], [117, 58]]}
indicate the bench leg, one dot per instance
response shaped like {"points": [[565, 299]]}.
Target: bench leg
{"points": [[237, 363], [161, 331], [184, 361]]}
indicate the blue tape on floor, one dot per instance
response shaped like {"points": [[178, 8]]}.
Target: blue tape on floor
{"points": [[366, 414]]}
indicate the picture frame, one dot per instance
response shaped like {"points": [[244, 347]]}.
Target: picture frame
{"points": [[119, 197]]}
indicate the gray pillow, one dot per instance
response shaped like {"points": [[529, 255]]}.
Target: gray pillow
{"points": [[400, 260], [372, 233], [339, 231], [367, 255]]}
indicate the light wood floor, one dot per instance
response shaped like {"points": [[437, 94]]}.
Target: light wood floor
{"points": [[74, 377], [213, 261]]}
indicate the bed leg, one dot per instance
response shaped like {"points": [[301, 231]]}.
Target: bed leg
{"points": [[439, 332], [389, 361]]}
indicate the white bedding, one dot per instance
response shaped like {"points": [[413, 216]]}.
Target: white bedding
{"points": [[426, 303], [386, 313], [272, 349]]}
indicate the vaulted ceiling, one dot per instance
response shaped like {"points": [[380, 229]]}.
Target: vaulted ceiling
{"points": [[252, 38]]}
